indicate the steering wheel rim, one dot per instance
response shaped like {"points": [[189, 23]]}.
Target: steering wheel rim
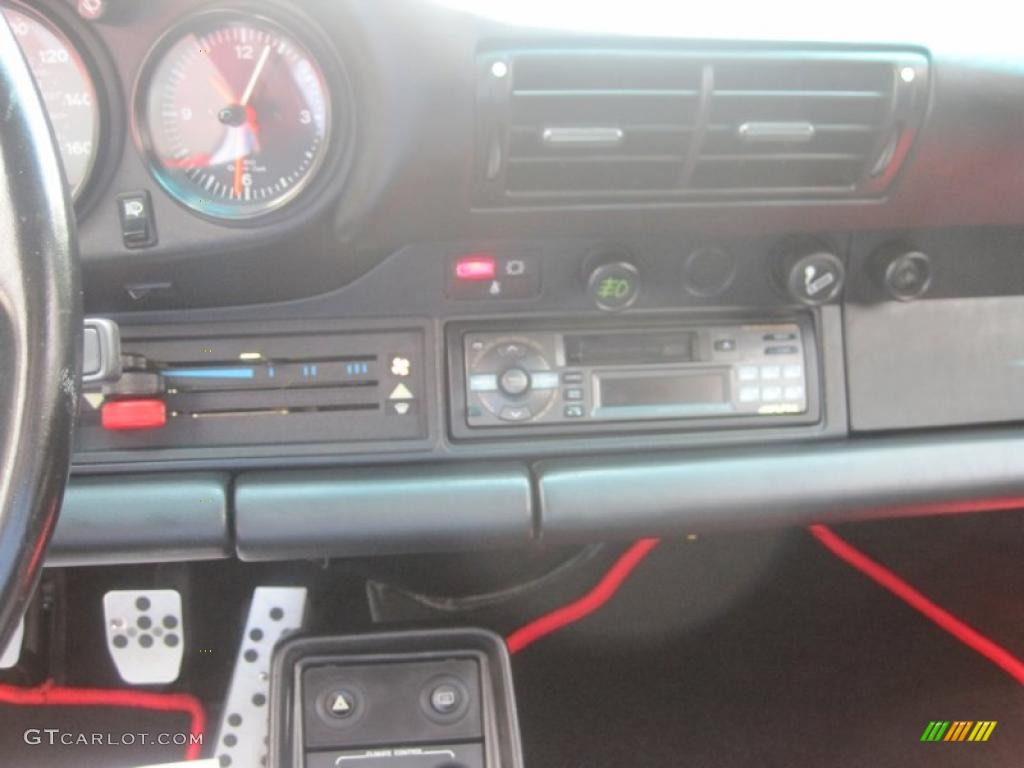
{"points": [[40, 333]]}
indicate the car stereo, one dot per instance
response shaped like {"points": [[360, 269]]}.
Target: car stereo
{"points": [[714, 374]]}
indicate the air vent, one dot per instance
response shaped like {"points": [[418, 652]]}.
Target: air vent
{"points": [[577, 126]]}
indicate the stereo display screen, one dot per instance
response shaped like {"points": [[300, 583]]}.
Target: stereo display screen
{"points": [[682, 389]]}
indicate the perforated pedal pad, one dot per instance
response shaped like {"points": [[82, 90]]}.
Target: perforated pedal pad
{"points": [[145, 634], [12, 652], [245, 726]]}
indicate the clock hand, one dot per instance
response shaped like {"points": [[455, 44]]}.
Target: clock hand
{"points": [[256, 72]]}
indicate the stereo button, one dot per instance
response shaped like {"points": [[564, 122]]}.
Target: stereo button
{"points": [[483, 382], [749, 394], [544, 380], [512, 350], [515, 413], [515, 381]]}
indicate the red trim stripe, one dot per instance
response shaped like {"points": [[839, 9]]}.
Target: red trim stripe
{"points": [[50, 695], [885, 578], [586, 605]]}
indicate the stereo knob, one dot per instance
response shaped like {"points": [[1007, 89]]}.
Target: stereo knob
{"points": [[514, 382], [904, 273], [811, 273]]}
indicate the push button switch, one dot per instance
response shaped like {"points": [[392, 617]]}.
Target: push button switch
{"points": [[340, 704], [125, 415], [515, 382], [138, 227], [445, 699]]}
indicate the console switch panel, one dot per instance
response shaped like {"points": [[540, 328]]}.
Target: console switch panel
{"points": [[387, 704]]}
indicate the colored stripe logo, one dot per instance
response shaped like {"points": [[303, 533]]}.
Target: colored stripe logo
{"points": [[958, 730]]}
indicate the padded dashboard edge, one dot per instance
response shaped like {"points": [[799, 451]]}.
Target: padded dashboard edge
{"points": [[853, 480], [371, 511], [143, 519]]}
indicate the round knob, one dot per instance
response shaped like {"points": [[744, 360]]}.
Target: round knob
{"points": [[707, 272], [811, 273], [614, 286], [514, 382], [905, 274]]}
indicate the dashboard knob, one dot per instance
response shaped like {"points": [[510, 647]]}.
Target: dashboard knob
{"points": [[514, 382], [811, 273], [614, 285], [708, 272], [904, 273]]}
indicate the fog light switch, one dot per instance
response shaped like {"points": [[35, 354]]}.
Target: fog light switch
{"points": [[138, 227]]}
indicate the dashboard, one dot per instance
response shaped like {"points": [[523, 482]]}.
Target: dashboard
{"points": [[546, 279]]}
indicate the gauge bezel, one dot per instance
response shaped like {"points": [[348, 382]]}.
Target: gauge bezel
{"points": [[338, 94], [104, 78]]}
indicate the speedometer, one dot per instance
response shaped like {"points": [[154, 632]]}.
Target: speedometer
{"points": [[234, 115], [66, 87]]}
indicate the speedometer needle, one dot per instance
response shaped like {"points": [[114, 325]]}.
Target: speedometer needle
{"points": [[256, 72]]}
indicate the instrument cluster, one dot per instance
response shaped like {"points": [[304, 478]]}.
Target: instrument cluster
{"points": [[233, 112]]}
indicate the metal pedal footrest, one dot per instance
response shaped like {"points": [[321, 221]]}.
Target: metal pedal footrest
{"points": [[245, 724], [145, 634]]}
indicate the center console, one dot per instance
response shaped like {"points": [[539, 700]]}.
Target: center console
{"points": [[435, 699]]}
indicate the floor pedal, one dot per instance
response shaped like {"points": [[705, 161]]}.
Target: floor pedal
{"points": [[145, 634], [12, 652], [245, 725]]}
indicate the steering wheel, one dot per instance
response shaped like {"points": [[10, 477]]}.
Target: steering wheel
{"points": [[40, 333]]}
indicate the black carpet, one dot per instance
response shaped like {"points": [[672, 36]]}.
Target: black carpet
{"points": [[740, 651], [767, 651]]}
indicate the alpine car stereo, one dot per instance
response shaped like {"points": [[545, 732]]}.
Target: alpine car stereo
{"points": [[714, 375]]}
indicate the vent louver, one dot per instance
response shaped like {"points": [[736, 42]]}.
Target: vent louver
{"points": [[578, 126]]}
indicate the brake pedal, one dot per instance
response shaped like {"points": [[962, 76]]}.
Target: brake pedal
{"points": [[245, 725], [12, 653], [145, 634]]}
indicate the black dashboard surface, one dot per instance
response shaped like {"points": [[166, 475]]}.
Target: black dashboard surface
{"points": [[407, 72], [409, 181]]}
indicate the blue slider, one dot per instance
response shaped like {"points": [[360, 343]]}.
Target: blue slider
{"points": [[210, 373]]}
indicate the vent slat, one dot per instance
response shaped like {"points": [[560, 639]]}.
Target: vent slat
{"points": [[778, 157], [798, 94], [597, 159], [611, 93]]}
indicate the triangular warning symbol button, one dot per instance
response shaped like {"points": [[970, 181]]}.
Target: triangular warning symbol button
{"points": [[401, 392], [341, 705], [94, 399]]}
